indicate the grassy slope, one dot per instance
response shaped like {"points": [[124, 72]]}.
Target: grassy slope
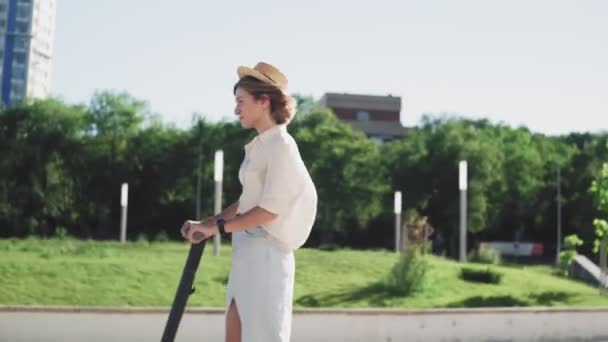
{"points": [[71, 272]]}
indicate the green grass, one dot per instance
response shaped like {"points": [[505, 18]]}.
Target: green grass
{"points": [[88, 273]]}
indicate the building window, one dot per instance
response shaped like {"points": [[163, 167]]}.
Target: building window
{"points": [[23, 12], [19, 57], [362, 116], [17, 89], [19, 72], [21, 43], [2, 7], [21, 27]]}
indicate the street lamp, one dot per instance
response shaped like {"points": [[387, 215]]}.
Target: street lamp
{"points": [[462, 185], [217, 177], [124, 199], [559, 216], [397, 221]]}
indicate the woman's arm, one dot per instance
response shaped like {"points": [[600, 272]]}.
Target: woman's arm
{"points": [[253, 218], [227, 214]]}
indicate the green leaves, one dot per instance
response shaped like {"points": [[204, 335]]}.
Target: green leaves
{"points": [[62, 166], [599, 190], [346, 169]]}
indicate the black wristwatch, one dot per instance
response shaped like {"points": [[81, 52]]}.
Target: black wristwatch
{"points": [[220, 226]]}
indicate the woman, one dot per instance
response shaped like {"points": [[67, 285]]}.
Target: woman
{"points": [[273, 216]]}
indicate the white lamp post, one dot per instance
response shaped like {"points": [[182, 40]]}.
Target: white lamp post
{"points": [[124, 199], [217, 177], [462, 185], [397, 221]]}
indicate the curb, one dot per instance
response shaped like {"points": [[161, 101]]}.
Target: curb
{"points": [[301, 311]]}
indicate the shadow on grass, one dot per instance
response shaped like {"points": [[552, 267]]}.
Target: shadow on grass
{"points": [[487, 302], [223, 279], [549, 298], [375, 294]]}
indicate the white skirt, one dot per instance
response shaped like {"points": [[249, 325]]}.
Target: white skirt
{"points": [[261, 284]]}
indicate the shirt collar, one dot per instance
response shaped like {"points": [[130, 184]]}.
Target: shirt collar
{"points": [[271, 132], [267, 134]]}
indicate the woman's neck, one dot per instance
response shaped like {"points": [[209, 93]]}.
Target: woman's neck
{"points": [[265, 125]]}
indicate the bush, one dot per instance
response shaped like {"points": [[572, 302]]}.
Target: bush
{"points": [[408, 274], [566, 257], [61, 233], [487, 276], [142, 240], [161, 236], [485, 255]]}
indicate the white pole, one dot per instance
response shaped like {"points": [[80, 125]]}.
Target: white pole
{"points": [[124, 199], [559, 216], [462, 185], [397, 221], [217, 177]]}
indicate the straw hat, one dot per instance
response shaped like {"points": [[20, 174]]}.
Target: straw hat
{"points": [[265, 73]]}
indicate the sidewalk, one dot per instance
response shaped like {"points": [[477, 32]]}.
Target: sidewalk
{"points": [[19, 323]]}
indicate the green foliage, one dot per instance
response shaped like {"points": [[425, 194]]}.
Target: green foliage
{"points": [[487, 275], [62, 166], [408, 274], [572, 242], [346, 169], [601, 233], [566, 257], [115, 274], [161, 236], [599, 189], [142, 240], [60, 233], [485, 255], [510, 171]]}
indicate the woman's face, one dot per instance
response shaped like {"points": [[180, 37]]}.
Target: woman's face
{"points": [[249, 110]]}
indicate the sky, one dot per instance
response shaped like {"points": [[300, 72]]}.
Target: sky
{"points": [[542, 64]]}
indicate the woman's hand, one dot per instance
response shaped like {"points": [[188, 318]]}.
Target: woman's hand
{"points": [[187, 224], [197, 231]]}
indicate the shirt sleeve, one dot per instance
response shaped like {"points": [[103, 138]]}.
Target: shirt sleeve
{"points": [[283, 180]]}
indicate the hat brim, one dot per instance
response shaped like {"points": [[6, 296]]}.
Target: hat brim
{"points": [[244, 71]]}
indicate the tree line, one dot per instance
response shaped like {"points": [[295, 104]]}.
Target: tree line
{"points": [[62, 166]]}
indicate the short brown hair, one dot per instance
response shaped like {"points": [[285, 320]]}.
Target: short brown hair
{"points": [[281, 104]]}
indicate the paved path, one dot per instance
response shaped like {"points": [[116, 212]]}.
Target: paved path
{"points": [[27, 324]]}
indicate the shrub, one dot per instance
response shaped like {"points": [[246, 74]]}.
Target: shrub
{"points": [[142, 240], [487, 276], [566, 257], [61, 233], [161, 236], [408, 274]]}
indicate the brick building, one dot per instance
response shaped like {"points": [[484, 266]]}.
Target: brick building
{"points": [[379, 117]]}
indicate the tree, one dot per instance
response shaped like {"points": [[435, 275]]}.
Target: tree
{"points": [[346, 169], [599, 189], [39, 142]]}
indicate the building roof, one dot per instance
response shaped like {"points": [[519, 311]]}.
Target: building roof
{"points": [[361, 102]]}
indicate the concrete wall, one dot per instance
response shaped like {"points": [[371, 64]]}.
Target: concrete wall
{"points": [[27, 324]]}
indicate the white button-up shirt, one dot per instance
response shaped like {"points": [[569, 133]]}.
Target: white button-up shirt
{"points": [[275, 178]]}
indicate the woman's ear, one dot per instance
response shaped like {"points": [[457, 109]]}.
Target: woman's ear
{"points": [[265, 99]]}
